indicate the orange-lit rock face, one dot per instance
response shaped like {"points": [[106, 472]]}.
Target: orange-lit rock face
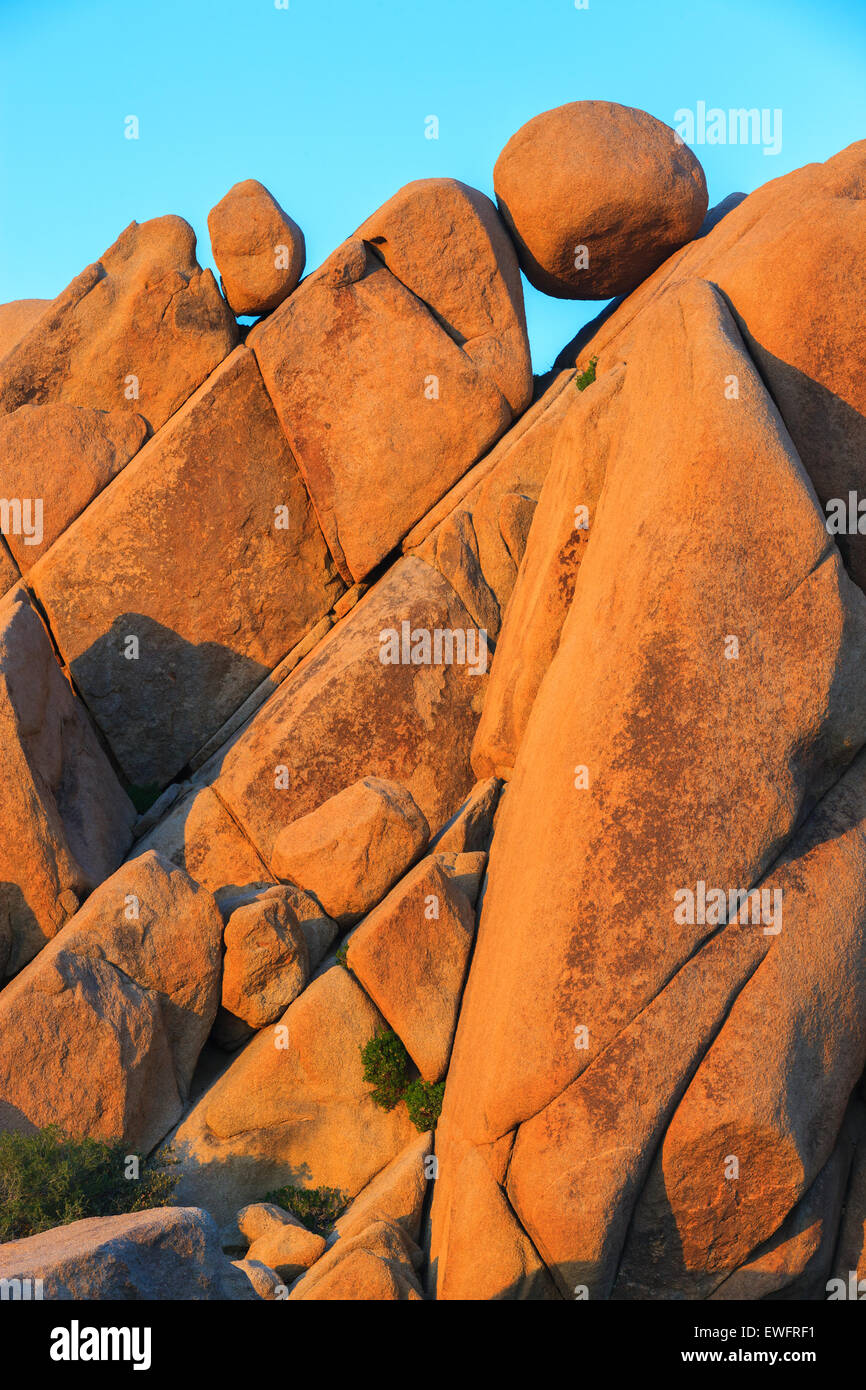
{"points": [[789, 261], [217, 486], [131, 985], [61, 456], [138, 330], [634, 758], [259, 249], [381, 407], [344, 715], [596, 196]]}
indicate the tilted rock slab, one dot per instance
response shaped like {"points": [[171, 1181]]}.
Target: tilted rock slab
{"points": [[208, 489], [650, 731], [101, 1033], [344, 715], [294, 1108], [138, 330], [382, 408], [61, 456], [65, 821]]}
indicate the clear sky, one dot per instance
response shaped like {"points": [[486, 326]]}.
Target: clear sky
{"points": [[325, 102]]}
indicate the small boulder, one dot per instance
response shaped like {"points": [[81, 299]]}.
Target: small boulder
{"points": [[411, 956], [266, 1283], [266, 964], [353, 847], [596, 196], [259, 250], [289, 1250], [167, 1253]]}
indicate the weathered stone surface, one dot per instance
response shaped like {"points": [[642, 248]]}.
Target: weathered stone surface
{"points": [[850, 1254], [166, 1253], [101, 1032], [62, 455], [579, 861], [199, 835], [607, 178], [377, 1263], [545, 585], [446, 243], [396, 1194], [480, 1251], [458, 560], [472, 828], [579, 1165], [353, 848], [789, 262], [343, 715], [259, 250], [208, 488], [795, 1262], [411, 954], [288, 1250], [65, 822], [381, 407], [802, 1014], [266, 962], [293, 1108], [16, 319], [259, 1219], [517, 466], [138, 330]]}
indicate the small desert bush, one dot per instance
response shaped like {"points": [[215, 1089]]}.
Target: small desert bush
{"points": [[49, 1179], [386, 1069], [424, 1103], [317, 1208], [584, 379]]}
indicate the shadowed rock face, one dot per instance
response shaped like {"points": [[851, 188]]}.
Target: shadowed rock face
{"points": [[65, 821], [218, 487], [646, 695]]}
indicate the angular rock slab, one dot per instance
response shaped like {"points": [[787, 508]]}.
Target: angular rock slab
{"points": [[166, 1253], [344, 715], [411, 954], [204, 493], [65, 821], [101, 1033], [138, 330], [354, 847], [546, 582], [649, 732], [293, 1109], [61, 456], [447, 244], [382, 409], [199, 835], [802, 1019]]}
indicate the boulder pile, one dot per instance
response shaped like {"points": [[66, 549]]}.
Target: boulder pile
{"points": [[433, 821]]}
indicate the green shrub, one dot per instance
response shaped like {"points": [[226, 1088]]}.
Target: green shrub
{"points": [[424, 1103], [584, 379], [143, 798], [317, 1207], [341, 953], [386, 1064], [49, 1179]]}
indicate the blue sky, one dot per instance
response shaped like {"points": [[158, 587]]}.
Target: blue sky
{"points": [[325, 102]]}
